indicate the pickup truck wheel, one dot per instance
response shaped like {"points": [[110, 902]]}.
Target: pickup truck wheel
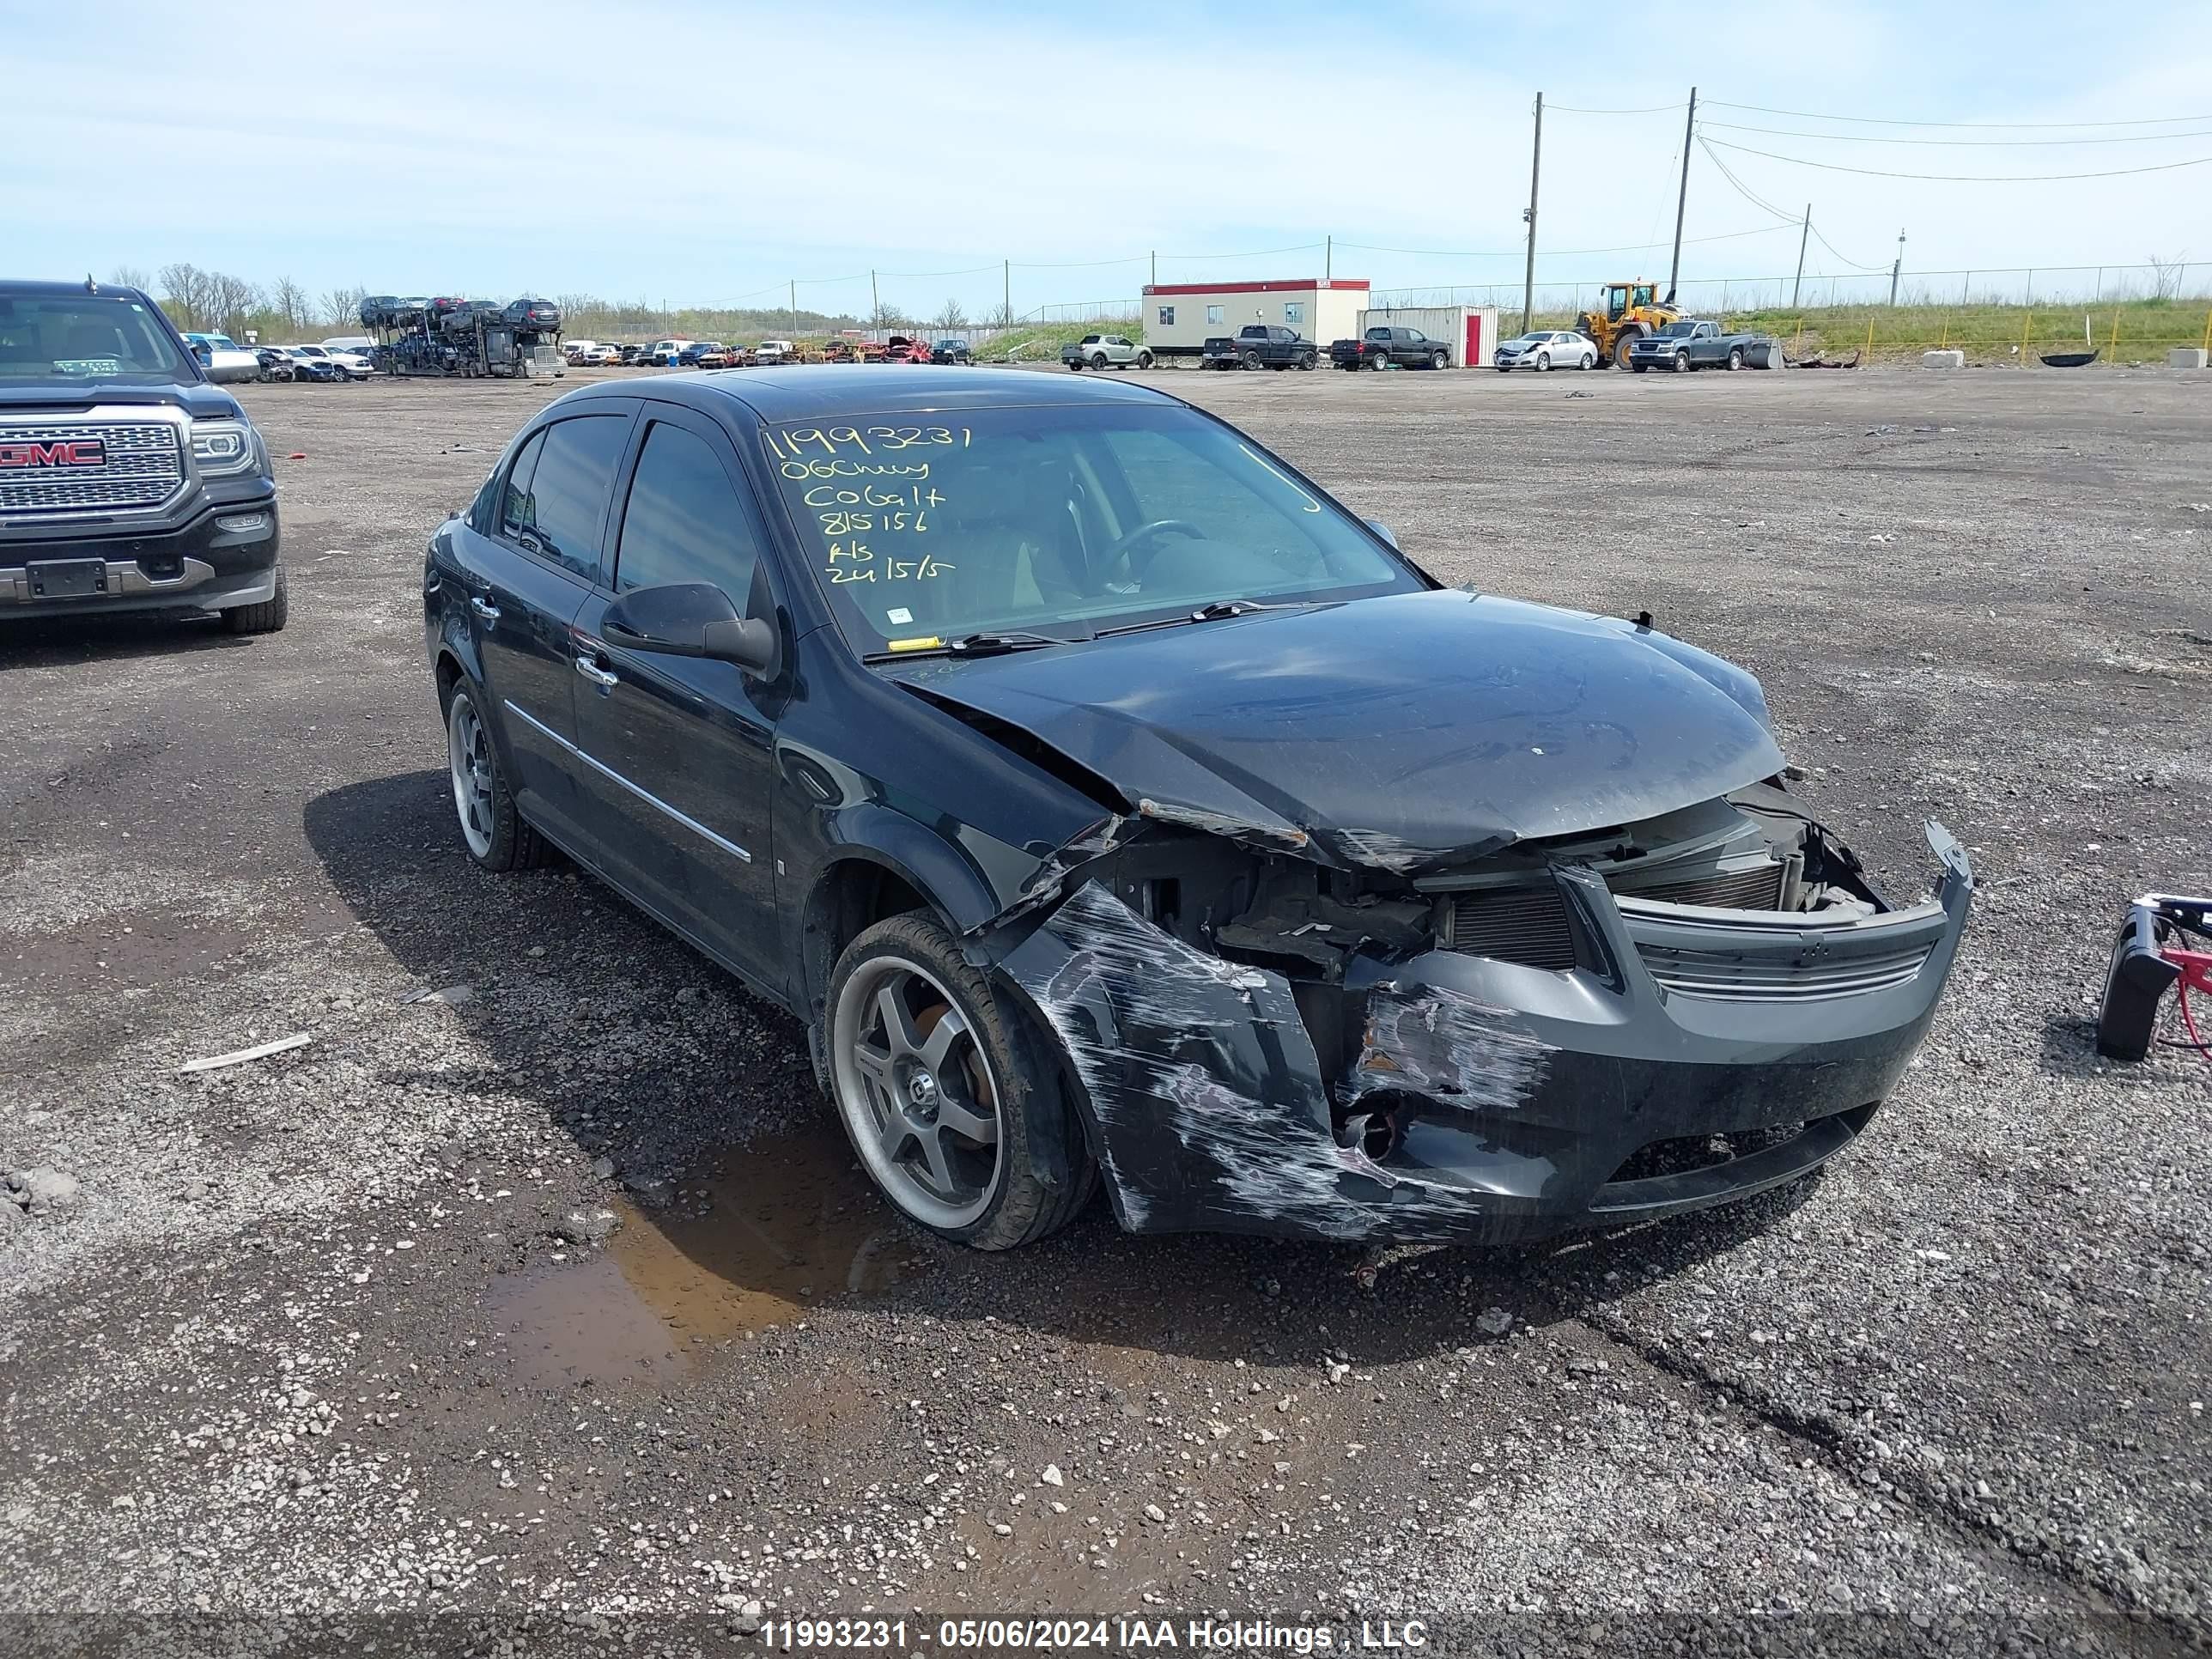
{"points": [[1439, 360], [266, 618], [1143, 360], [957, 1105], [1736, 357], [1075, 365], [1308, 359], [1681, 362], [1097, 360], [1251, 360], [1637, 368]]}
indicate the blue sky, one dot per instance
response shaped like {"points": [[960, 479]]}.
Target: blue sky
{"points": [[704, 153]]}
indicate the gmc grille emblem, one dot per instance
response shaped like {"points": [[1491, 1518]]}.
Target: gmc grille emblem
{"points": [[65, 451]]}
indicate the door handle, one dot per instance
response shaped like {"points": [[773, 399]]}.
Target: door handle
{"points": [[605, 679], [486, 612]]}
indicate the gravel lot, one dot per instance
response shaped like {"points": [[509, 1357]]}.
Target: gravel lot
{"points": [[336, 1341]]}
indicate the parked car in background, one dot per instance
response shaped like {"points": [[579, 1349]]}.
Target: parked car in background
{"points": [[704, 353], [345, 365], [1261, 346], [1105, 352], [838, 351], [1701, 344], [1192, 843], [588, 354], [663, 354], [275, 363], [770, 352], [1388, 348], [1545, 349], [634, 355], [951, 351], [224, 359], [128, 482]]}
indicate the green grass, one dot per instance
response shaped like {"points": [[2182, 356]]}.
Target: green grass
{"points": [[1032, 342], [2146, 328]]}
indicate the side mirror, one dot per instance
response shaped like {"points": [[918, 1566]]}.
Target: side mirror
{"points": [[1381, 529], [692, 619]]}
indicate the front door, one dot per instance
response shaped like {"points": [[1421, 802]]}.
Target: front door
{"points": [[678, 751]]}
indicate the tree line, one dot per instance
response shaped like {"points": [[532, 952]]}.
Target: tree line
{"points": [[216, 303]]}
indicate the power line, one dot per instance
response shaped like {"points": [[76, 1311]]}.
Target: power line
{"points": [[1962, 177], [1655, 109], [1900, 121], [1743, 189], [1877, 138], [1548, 254]]}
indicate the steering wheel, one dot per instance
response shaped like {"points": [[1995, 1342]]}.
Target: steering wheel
{"points": [[1126, 548]]}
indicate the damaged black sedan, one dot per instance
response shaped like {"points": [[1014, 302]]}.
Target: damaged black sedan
{"points": [[1116, 808]]}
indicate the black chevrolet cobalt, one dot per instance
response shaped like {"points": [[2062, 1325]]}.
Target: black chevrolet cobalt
{"points": [[1115, 808]]}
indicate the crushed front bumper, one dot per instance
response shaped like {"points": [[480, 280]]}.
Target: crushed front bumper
{"points": [[1468, 1099]]}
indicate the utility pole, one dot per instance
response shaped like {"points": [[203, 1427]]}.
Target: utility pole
{"points": [[1529, 282], [1006, 292], [794, 305], [1898, 269], [1155, 267], [1328, 258], [1682, 199], [875, 302], [1802, 235]]}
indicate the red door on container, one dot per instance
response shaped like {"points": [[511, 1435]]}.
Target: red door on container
{"points": [[1474, 358]]}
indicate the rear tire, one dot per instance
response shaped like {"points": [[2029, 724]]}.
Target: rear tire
{"points": [[266, 618], [1098, 360], [1251, 361], [1623, 343], [496, 836], [1075, 365], [1736, 358], [998, 1069]]}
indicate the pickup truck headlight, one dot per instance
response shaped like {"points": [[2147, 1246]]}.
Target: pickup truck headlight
{"points": [[221, 448]]}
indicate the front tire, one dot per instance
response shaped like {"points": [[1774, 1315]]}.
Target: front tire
{"points": [[1438, 359], [1543, 363], [1143, 360], [1681, 362], [266, 618], [956, 1108], [1308, 360], [496, 836]]}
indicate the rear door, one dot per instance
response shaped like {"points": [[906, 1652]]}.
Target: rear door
{"points": [[526, 579], [679, 751]]}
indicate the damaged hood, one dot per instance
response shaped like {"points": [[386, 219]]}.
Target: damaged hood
{"points": [[1403, 732]]}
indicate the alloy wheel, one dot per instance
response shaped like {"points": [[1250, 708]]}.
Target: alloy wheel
{"points": [[468, 751], [916, 1093]]}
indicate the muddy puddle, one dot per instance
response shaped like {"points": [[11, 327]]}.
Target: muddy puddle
{"points": [[792, 1226]]}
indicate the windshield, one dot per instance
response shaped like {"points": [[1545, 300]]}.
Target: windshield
{"points": [[1060, 521], [52, 341], [1676, 331]]}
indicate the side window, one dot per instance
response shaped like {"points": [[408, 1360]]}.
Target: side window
{"points": [[1167, 316], [516, 514], [1214, 313], [567, 499], [1294, 311], [684, 522]]}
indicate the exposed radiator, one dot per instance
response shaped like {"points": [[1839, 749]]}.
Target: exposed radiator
{"points": [[1527, 925]]}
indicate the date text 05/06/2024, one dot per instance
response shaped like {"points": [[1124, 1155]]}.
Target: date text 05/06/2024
{"points": [[1110, 1635]]}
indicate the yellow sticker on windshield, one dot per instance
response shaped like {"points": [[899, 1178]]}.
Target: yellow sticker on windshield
{"points": [[929, 644]]}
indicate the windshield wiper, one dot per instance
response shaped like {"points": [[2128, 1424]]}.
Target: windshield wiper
{"points": [[1216, 610], [981, 645]]}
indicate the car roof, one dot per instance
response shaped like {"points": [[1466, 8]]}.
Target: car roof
{"points": [[17, 287], [824, 391]]}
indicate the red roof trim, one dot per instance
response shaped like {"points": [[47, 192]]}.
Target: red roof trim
{"points": [[1293, 286]]}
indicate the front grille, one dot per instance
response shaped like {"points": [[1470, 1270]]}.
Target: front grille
{"points": [[1756, 889], [1527, 925], [143, 469], [1732, 977]]}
